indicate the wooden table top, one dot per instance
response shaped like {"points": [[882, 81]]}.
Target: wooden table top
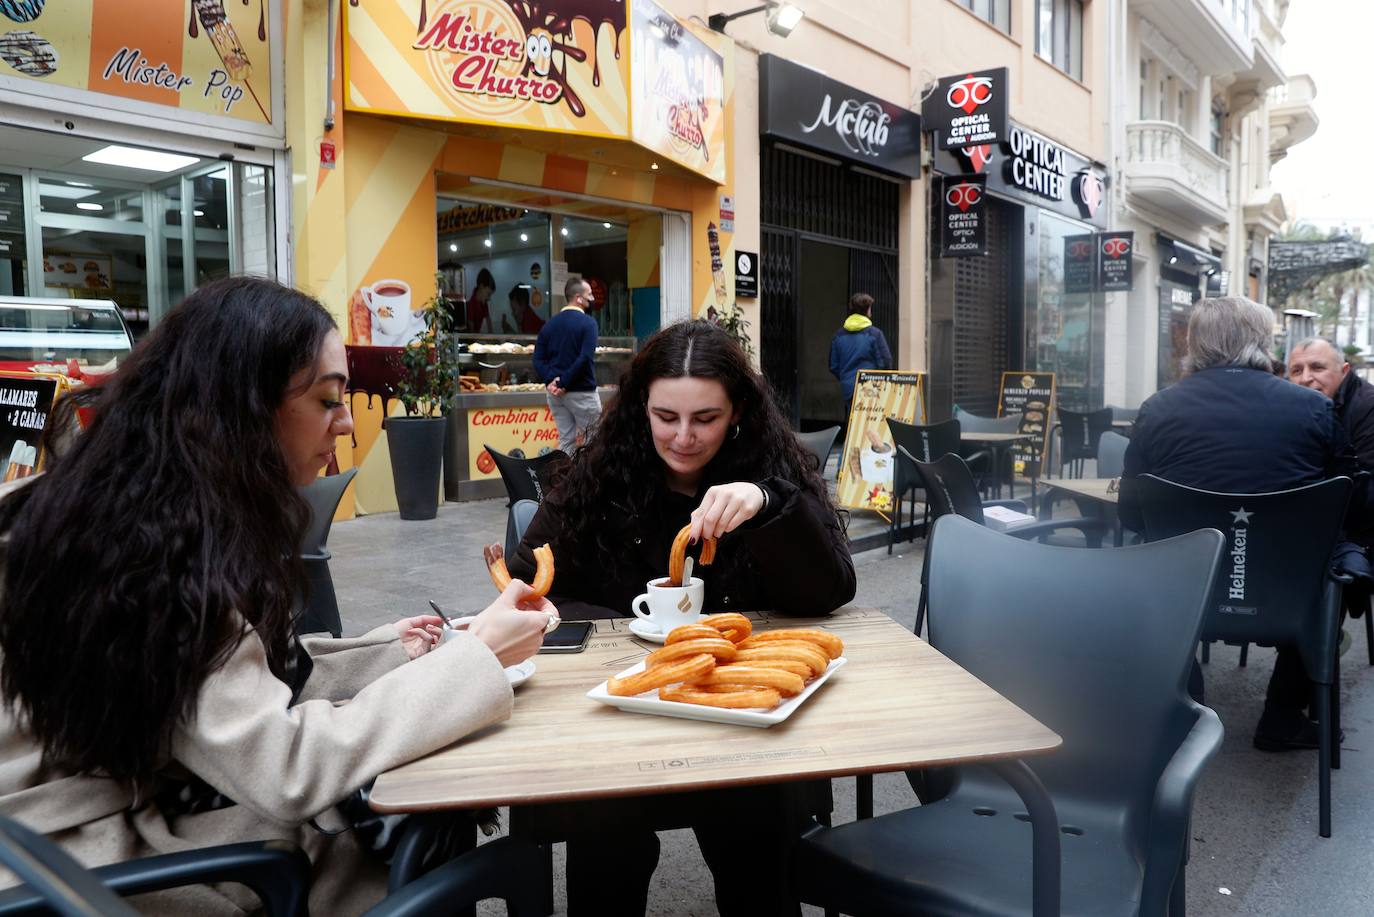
{"points": [[896, 704], [994, 437], [1092, 488]]}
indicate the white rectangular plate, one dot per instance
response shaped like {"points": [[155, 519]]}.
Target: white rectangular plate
{"points": [[649, 702]]}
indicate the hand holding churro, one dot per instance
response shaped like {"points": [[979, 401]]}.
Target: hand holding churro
{"points": [[677, 556], [495, 557]]}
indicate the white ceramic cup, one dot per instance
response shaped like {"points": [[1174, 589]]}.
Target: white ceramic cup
{"points": [[667, 607], [394, 297], [876, 467]]}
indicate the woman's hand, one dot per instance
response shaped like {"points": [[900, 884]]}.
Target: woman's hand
{"points": [[513, 626], [725, 508], [419, 634]]}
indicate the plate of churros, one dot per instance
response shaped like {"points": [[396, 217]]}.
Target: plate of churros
{"points": [[718, 670]]}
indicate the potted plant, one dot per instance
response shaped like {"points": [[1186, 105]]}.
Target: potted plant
{"points": [[732, 321], [429, 381]]}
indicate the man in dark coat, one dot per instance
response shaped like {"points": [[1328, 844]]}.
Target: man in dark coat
{"points": [[1230, 425], [1315, 363], [859, 344]]}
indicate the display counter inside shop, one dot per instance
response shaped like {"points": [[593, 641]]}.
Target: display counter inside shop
{"points": [[504, 405]]}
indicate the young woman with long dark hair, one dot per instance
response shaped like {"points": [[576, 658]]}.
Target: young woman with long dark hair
{"points": [[693, 434], [156, 698]]}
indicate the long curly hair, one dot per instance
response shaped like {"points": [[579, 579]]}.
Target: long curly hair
{"points": [[619, 471], [124, 562]]}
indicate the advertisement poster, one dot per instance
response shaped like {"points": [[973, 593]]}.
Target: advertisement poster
{"points": [[385, 313], [968, 109], [1114, 269], [1032, 396], [870, 458], [963, 229], [1080, 263], [74, 270], [25, 402], [209, 56], [523, 432], [678, 91], [559, 65]]}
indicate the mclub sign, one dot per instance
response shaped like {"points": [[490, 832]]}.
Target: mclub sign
{"points": [[968, 109]]}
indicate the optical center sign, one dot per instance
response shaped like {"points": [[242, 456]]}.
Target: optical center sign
{"points": [[811, 109]]}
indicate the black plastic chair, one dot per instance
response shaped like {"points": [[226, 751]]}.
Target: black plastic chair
{"points": [[1110, 681], [1079, 433], [526, 479], [1277, 586], [278, 872], [926, 443], [951, 490], [320, 611], [818, 443], [981, 459]]}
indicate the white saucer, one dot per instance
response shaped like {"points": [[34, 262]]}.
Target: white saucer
{"points": [[517, 675], [646, 631]]}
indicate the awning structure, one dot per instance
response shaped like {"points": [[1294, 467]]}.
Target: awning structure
{"points": [[1293, 265]]}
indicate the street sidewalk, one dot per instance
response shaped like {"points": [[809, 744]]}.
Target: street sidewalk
{"points": [[1255, 846]]}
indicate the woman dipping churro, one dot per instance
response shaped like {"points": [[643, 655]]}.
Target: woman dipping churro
{"points": [[692, 439]]}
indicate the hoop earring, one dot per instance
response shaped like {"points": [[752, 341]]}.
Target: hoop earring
{"points": [[734, 434]]}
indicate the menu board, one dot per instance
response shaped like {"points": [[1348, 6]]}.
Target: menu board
{"points": [[74, 270], [1032, 396], [25, 402], [869, 460], [527, 431]]}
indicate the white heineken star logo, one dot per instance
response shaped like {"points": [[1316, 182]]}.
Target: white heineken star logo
{"points": [[1240, 516]]}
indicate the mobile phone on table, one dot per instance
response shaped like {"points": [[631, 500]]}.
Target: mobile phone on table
{"points": [[568, 637]]}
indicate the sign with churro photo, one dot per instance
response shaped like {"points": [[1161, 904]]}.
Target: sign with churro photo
{"points": [[678, 92], [555, 65], [212, 57], [1031, 395], [869, 461]]}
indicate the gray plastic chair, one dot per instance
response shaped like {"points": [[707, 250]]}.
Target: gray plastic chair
{"points": [[818, 443], [517, 520], [320, 611], [1111, 455], [1285, 592], [278, 872], [1119, 414], [1110, 679], [979, 458], [926, 443]]}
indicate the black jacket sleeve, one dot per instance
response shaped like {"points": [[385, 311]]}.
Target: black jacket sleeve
{"points": [[799, 553]]}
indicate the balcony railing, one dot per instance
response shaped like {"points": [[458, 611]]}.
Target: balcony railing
{"points": [[1167, 168]]}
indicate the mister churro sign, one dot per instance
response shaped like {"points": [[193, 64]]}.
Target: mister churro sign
{"points": [[559, 65]]}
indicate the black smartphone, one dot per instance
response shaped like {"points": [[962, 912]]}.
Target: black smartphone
{"points": [[568, 637]]}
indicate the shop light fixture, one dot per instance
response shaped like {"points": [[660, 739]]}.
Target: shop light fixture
{"points": [[64, 192], [128, 157], [605, 225], [79, 184], [654, 166], [199, 213], [453, 246], [88, 205], [1173, 259], [781, 18], [524, 237], [563, 231], [487, 243]]}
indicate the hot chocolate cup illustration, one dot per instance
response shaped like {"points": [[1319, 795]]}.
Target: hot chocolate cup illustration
{"points": [[389, 303], [877, 460]]}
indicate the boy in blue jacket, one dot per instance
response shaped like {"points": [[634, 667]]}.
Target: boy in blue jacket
{"points": [[857, 345]]}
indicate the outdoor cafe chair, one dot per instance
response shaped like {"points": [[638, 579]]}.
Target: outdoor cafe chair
{"points": [[518, 519], [951, 490], [1111, 462], [276, 871], [818, 443], [1079, 434], [1276, 586], [320, 609], [1112, 682], [982, 459], [526, 478], [926, 443]]}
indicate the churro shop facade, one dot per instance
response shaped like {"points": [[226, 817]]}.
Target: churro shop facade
{"points": [[476, 154]]}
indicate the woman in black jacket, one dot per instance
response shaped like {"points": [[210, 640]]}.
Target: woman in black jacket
{"points": [[693, 435]]}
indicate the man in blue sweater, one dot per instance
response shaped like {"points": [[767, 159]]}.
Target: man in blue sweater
{"points": [[564, 357]]}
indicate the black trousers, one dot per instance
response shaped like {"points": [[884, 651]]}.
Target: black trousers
{"points": [[746, 836]]}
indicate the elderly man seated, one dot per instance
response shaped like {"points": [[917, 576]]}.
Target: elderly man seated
{"points": [[1230, 425]]}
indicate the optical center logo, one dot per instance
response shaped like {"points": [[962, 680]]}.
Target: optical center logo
{"points": [[489, 60], [861, 126], [963, 195], [1119, 248], [1088, 191], [1081, 249]]}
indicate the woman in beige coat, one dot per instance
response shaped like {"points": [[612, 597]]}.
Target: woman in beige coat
{"points": [[156, 699]]}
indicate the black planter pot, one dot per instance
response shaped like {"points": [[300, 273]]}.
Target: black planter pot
{"points": [[416, 445]]}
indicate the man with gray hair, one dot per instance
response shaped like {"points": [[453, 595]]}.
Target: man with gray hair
{"points": [[565, 358], [1231, 425], [1317, 364]]}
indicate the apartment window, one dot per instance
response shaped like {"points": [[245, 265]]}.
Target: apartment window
{"points": [[1144, 89], [1059, 34], [997, 12], [1218, 128]]}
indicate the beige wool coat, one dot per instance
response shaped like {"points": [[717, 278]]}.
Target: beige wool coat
{"points": [[364, 709]]}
